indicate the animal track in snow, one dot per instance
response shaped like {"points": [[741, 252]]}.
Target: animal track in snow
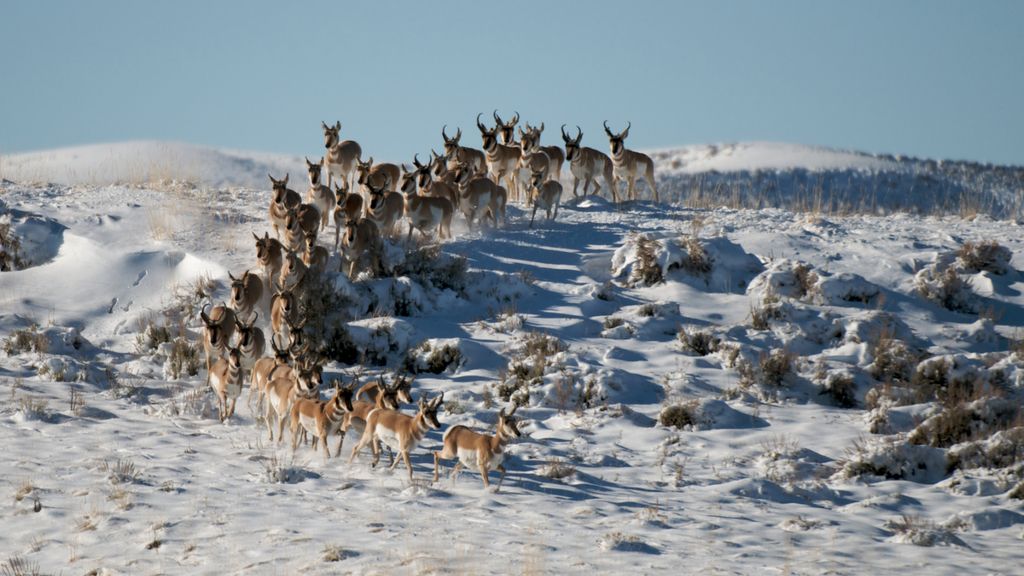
{"points": [[139, 279]]}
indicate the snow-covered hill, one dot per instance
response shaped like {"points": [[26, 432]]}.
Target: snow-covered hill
{"points": [[734, 391]]}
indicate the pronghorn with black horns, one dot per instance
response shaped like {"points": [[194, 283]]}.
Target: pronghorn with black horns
{"points": [[219, 327], [284, 390], [319, 195], [385, 174], [555, 155], [321, 418], [587, 164], [226, 381], [481, 452], [453, 152], [251, 341], [506, 130], [348, 209], [425, 213], [266, 369], [342, 155], [246, 293], [544, 194], [361, 240], [629, 165], [401, 432], [477, 195], [383, 397], [269, 256], [502, 159], [385, 207]]}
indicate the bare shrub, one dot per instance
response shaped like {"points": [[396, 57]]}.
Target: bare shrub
{"points": [[806, 279], [987, 256], [10, 248], [646, 271], [680, 415], [697, 262], [19, 566], [123, 471], [964, 421], [28, 339], [699, 342], [842, 388], [183, 359], [430, 266], [432, 358], [558, 469], [151, 336], [945, 287], [762, 314], [775, 366], [527, 367], [893, 359], [76, 402]]}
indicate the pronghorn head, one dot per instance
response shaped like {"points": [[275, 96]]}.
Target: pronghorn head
{"points": [[429, 410], [341, 191], [281, 354], [376, 195], [407, 182], [280, 188], [265, 248], [314, 172], [451, 145], [508, 425], [310, 238], [292, 222], [245, 330], [388, 395], [507, 130], [239, 289], [305, 379], [423, 177], [572, 145], [214, 330], [488, 135], [528, 142], [234, 358], [351, 233], [342, 396], [536, 179], [331, 134], [617, 141], [363, 170], [463, 174], [402, 387], [439, 165]]}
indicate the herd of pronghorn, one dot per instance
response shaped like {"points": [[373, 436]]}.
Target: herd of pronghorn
{"points": [[367, 203]]}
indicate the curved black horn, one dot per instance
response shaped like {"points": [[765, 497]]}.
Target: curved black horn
{"points": [[480, 124], [496, 117], [443, 134], [515, 119], [609, 132]]}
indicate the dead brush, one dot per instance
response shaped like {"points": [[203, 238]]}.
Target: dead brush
{"points": [[699, 342], [28, 339], [19, 566], [646, 270], [987, 256], [697, 262], [680, 415]]}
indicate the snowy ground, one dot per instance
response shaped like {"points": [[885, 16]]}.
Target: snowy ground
{"points": [[137, 476]]}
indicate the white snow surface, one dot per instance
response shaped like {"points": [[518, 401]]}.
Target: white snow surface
{"points": [[759, 484]]}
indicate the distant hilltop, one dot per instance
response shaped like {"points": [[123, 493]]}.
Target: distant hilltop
{"points": [[739, 175]]}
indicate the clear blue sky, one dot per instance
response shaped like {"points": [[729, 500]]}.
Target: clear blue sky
{"points": [[925, 78]]}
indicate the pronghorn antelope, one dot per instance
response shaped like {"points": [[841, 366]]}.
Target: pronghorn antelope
{"points": [[268, 254], [385, 174], [425, 213], [315, 257], [349, 208], [482, 452], [361, 238], [587, 164], [472, 157], [283, 391], [385, 208], [384, 397], [555, 155], [544, 194], [219, 327], [284, 311], [251, 342], [506, 130], [401, 432], [531, 160], [628, 164], [266, 369], [439, 169], [293, 271], [502, 159], [226, 381], [401, 388], [427, 186], [246, 293], [282, 200], [342, 155], [293, 232], [476, 195], [319, 195], [321, 418]]}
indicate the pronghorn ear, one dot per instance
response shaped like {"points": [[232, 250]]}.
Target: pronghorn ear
{"points": [[514, 408], [266, 235], [501, 413], [308, 163], [271, 178], [337, 125], [231, 276], [255, 236], [324, 124]]}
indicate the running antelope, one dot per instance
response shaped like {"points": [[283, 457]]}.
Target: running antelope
{"points": [[386, 174], [401, 432], [400, 386], [282, 200], [284, 311], [226, 381], [319, 195], [315, 257], [268, 254], [545, 194], [283, 391], [587, 164], [425, 213], [481, 452], [219, 327], [266, 369], [321, 418], [385, 208], [502, 159], [342, 155], [246, 293], [476, 194], [532, 160], [385, 397], [428, 186], [472, 157], [251, 342], [361, 239], [348, 209], [293, 271], [629, 164]]}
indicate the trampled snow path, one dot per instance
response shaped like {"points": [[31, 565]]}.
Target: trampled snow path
{"points": [[753, 491]]}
